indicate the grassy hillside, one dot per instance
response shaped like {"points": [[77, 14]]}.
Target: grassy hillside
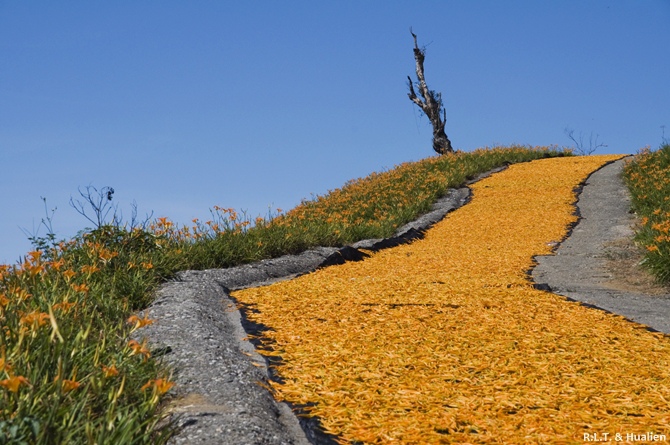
{"points": [[69, 372]]}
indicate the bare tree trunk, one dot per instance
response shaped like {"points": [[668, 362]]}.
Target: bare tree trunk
{"points": [[431, 104]]}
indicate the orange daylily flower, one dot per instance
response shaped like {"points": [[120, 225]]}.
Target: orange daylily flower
{"points": [[68, 274], [89, 269], [139, 348], [35, 318], [56, 265], [13, 383], [110, 371], [19, 293], [140, 322], [161, 385], [83, 287], [64, 306], [70, 385]]}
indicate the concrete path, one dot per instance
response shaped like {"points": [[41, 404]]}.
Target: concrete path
{"points": [[598, 264], [221, 396], [220, 393]]}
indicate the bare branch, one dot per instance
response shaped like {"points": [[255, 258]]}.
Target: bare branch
{"points": [[100, 201], [579, 144]]}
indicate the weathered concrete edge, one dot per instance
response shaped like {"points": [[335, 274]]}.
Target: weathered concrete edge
{"points": [[171, 334], [537, 260], [287, 267], [578, 189]]}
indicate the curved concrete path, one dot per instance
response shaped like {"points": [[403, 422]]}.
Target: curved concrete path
{"points": [[221, 398], [584, 267]]}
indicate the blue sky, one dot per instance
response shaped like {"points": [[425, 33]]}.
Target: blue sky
{"points": [[181, 106]]}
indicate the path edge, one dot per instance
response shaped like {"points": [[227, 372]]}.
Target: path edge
{"points": [[197, 304]]}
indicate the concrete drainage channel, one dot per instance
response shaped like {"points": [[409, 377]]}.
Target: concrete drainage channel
{"points": [[221, 395]]}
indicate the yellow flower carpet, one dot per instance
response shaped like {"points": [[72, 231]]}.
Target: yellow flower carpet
{"points": [[446, 341]]}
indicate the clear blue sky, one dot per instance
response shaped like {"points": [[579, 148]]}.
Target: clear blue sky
{"points": [[181, 106]]}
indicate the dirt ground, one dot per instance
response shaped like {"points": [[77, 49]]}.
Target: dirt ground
{"points": [[624, 259]]}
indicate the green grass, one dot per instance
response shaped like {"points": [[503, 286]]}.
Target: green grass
{"points": [[69, 371], [648, 179], [370, 207]]}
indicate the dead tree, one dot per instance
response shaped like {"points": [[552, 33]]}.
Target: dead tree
{"points": [[580, 148], [431, 104]]}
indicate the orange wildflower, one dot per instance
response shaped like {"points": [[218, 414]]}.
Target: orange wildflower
{"points": [[13, 383], [64, 306], [19, 293], [33, 268], [81, 287], [140, 322], [56, 265], [68, 274], [110, 371], [138, 348], [161, 386], [4, 365], [106, 255], [70, 385], [89, 269], [35, 318]]}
